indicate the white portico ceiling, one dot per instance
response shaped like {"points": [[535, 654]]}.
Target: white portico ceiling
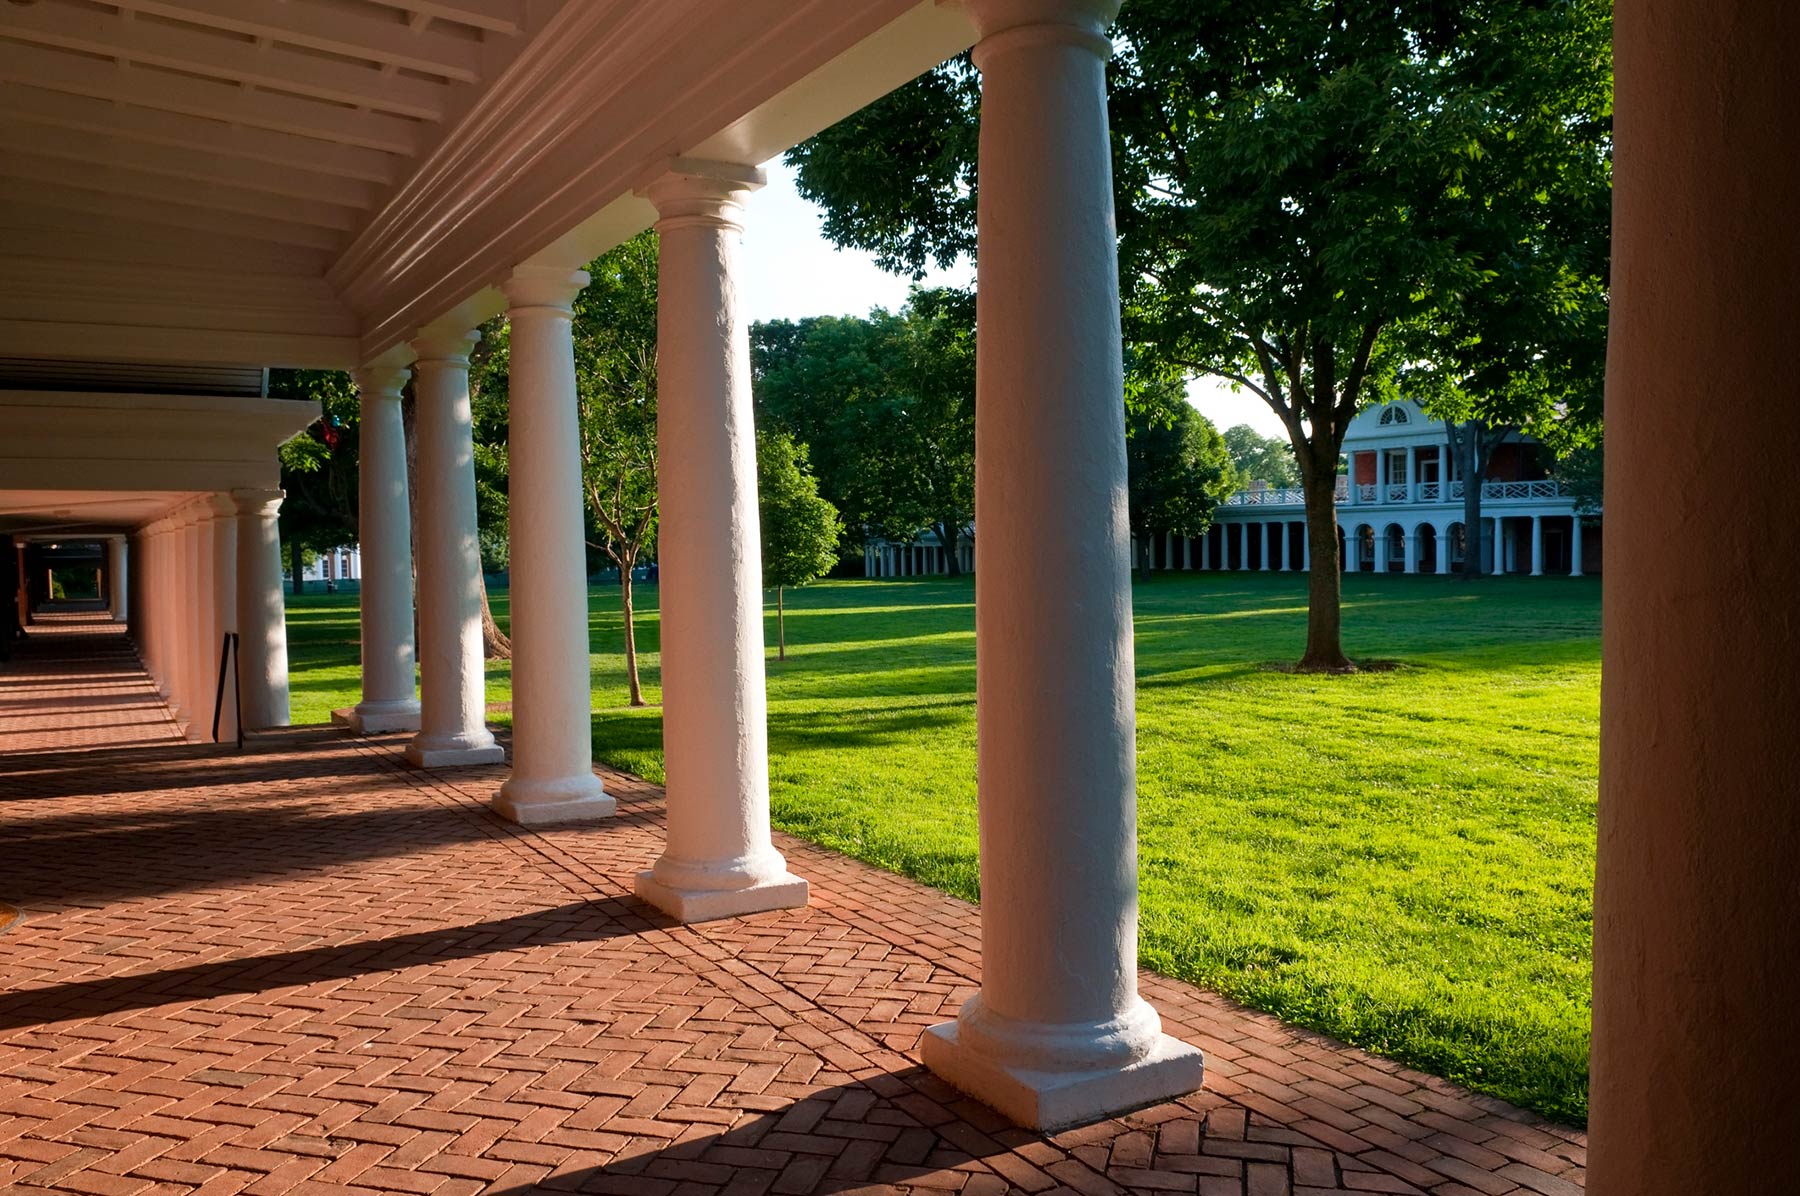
{"points": [[308, 182]]}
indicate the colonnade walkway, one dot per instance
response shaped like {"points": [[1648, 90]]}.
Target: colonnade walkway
{"points": [[311, 967]]}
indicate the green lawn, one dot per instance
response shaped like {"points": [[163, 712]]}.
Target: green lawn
{"points": [[1402, 859]]}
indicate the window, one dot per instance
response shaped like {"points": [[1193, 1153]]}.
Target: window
{"points": [[1393, 413]]}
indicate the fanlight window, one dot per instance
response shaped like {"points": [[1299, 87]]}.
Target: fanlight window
{"points": [[1393, 414]]}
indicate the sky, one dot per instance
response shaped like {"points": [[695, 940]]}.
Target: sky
{"points": [[791, 271]]}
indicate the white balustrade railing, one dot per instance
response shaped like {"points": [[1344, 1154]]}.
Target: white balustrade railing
{"points": [[1365, 493], [1286, 497], [1428, 491], [1401, 492], [1397, 492]]}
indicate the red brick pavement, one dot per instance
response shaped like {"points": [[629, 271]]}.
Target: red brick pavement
{"points": [[309, 968]]}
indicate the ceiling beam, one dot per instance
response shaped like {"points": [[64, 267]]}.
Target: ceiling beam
{"points": [[495, 16], [138, 184], [54, 233], [224, 55], [335, 30], [54, 70], [190, 165], [146, 125], [174, 214]]}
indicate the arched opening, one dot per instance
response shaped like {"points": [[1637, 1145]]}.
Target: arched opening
{"points": [[1458, 538], [1394, 560], [1428, 548], [1365, 548]]}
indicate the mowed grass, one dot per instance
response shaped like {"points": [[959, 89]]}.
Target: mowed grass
{"points": [[1401, 859]]}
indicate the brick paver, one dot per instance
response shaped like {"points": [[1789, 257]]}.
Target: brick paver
{"points": [[308, 968]]}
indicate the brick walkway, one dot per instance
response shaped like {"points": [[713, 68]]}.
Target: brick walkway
{"points": [[309, 968]]}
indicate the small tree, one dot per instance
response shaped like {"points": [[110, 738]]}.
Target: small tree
{"points": [[800, 530], [615, 387], [1260, 458], [1177, 468]]}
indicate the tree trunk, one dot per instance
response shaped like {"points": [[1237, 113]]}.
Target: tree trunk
{"points": [[948, 539], [494, 643], [1325, 583], [780, 626], [631, 663]]}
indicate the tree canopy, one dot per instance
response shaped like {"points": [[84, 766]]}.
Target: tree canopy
{"points": [[1259, 458], [800, 530], [1177, 468], [887, 404], [1315, 198]]}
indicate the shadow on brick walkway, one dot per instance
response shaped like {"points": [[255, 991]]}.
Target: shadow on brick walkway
{"points": [[312, 969]]}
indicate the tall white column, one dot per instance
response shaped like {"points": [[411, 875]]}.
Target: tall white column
{"points": [[453, 699], [1575, 547], [1412, 474], [1537, 545], [1381, 550], [1499, 546], [390, 701], [261, 610], [117, 583], [552, 679], [221, 606], [1058, 1034], [1442, 543], [1267, 563], [203, 659], [1411, 563], [719, 860], [1381, 477]]}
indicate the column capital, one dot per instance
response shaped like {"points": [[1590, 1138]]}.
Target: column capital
{"points": [[381, 381], [554, 287], [689, 191], [1004, 23], [219, 505], [265, 503], [438, 347]]}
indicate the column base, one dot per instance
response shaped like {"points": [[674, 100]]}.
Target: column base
{"points": [[454, 752], [786, 891], [378, 719], [1048, 1101], [541, 803]]}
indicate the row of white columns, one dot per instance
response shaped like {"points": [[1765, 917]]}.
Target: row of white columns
{"points": [[1494, 543], [209, 567], [908, 560], [1058, 1033]]}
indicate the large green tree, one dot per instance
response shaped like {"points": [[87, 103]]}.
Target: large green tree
{"points": [[1311, 193], [888, 404], [800, 530]]}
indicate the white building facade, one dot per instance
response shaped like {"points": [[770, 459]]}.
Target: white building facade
{"points": [[1400, 509]]}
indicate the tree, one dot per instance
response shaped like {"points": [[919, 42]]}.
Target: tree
{"points": [[800, 530], [319, 466], [1260, 458], [1308, 191], [615, 394], [1177, 469], [889, 403]]}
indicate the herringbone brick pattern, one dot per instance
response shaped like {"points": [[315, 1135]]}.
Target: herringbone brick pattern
{"points": [[309, 968]]}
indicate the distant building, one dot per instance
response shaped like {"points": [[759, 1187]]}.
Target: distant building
{"points": [[1400, 510]]}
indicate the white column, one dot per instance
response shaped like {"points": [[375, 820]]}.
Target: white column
{"points": [[1499, 547], [1537, 545], [1412, 475], [1381, 479], [1411, 564], [1058, 1034], [261, 609], [719, 860], [552, 680], [1268, 559], [203, 659], [1381, 542], [1305, 546], [1575, 547], [1442, 535], [390, 701], [221, 604], [452, 690], [117, 584]]}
